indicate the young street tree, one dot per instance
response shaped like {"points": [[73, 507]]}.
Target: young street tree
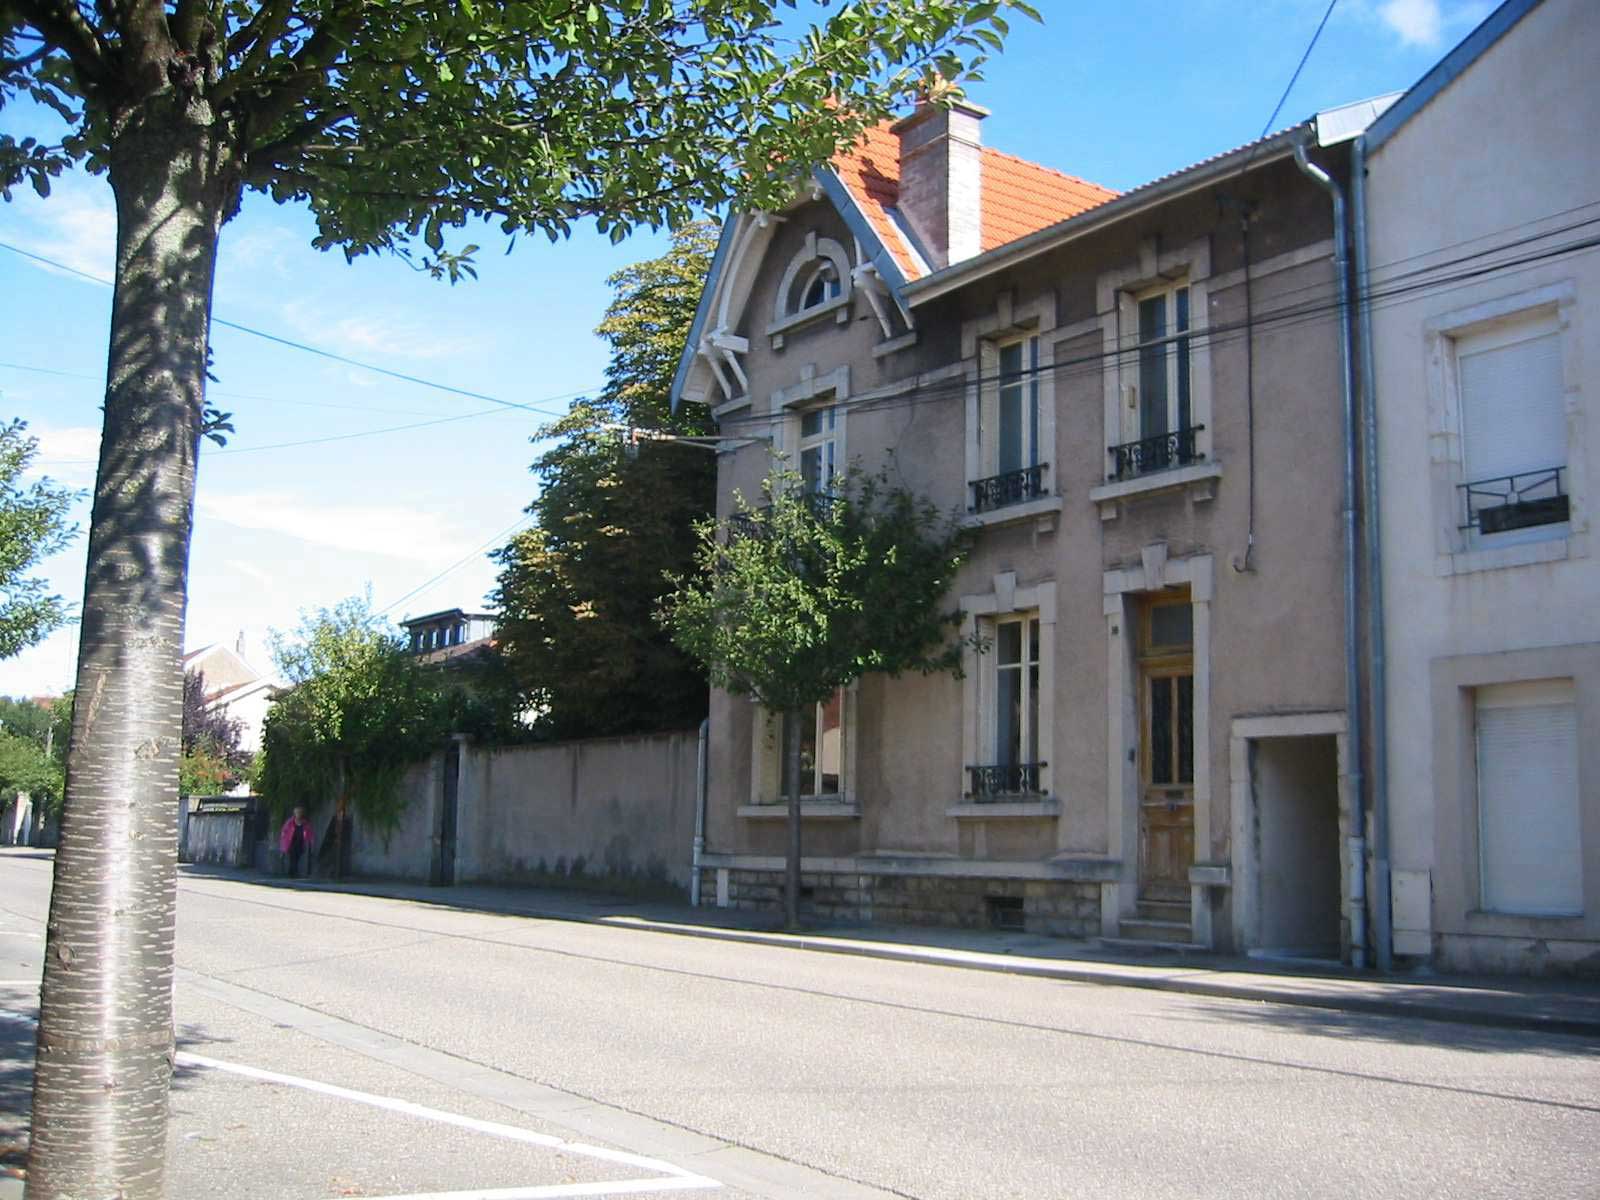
{"points": [[33, 526], [394, 123], [578, 591], [808, 593]]}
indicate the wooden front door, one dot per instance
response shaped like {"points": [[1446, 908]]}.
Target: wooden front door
{"points": [[1166, 795]]}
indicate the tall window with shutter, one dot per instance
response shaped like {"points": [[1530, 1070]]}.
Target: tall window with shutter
{"points": [[1529, 835], [1513, 431]]}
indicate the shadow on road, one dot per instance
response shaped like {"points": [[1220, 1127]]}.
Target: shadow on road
{"points": [[16, 1091], [1400, 1030]]}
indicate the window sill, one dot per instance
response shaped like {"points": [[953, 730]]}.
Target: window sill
{"points": [[894, 345], [1551, 549], [1011, 514], [810, 810], [1042, 806], [1199, 478], [838, 305], [737, 404]]}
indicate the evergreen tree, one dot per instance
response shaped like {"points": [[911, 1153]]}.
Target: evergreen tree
{"points": [[578, 591]]}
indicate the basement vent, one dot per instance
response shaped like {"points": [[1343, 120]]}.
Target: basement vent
{"points": [[1005, 912]]}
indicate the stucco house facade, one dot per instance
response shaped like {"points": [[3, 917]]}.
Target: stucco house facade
{"points": [[240, 691], [1136, 400], [1482, 185]]}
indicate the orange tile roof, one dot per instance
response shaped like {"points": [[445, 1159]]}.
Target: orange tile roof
{"points": [[1019, 197]]}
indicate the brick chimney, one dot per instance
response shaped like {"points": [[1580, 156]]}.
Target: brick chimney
{"points": [[941, 179]]}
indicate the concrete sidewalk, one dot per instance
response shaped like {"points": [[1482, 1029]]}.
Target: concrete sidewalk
{"points": [[1546, 1006]]}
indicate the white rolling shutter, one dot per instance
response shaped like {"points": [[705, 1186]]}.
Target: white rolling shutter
{"points": [[1513, 408], [1530, 843]]}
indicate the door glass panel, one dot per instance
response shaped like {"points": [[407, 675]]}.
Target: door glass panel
{"points": [[1186, 729], [1171, 625], [1161, 699]]}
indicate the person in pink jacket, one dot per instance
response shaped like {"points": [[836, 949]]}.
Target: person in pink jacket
{"points": [[295, 839]]}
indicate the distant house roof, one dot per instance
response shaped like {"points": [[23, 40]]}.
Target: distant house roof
{"points": [[447, 614], [1018, 197]]}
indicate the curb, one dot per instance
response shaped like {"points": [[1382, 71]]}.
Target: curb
{"points": [[1181, 980]]}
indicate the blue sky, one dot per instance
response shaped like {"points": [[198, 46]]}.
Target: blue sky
{"points": [[289, 519]]}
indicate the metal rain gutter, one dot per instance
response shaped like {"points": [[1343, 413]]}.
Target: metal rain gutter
{"points": [[700, 781], [1382, 913], [1352, 670]]}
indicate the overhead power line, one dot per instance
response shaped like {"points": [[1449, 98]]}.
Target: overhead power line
{"points": [[1304, 58], [403, 376]]}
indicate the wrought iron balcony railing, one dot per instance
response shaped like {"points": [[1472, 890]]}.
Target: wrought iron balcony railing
{"points": [[752, 522], [1175, 449], [1010, 487], [1004, 781], [1516, 501]]}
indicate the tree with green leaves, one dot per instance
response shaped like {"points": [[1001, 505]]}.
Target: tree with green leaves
{"points": [[807, 593], [394, 123], [33, 738], [578, 590], [33, 526], [358, 711]]}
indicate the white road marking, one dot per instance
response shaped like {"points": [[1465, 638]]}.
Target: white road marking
{"points": [[672, 1178]]}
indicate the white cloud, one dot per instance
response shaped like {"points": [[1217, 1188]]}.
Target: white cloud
{"points": [[1416, 22], [375, 336], [68, 454], [76, 226], [391, 530], [267, 248]]}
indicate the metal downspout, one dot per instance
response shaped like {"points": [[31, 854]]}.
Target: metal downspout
{"points": [[1352, 677], [700, 783], [1377, 677]]}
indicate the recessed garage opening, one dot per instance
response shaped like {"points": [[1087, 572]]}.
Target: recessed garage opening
{"points": [[1295, 781]]}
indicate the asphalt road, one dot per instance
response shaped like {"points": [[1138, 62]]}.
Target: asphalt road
{"points": [[546, 1058]]}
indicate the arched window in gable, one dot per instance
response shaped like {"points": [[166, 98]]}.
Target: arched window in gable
{"points": [[818, 277], [821, 286]]}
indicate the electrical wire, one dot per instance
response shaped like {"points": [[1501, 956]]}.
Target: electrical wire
{"points": [[1215, 336], [418, 380], [457, 565], [1293, 79]]}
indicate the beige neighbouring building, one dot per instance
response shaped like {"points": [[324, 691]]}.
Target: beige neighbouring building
{"points": [[1483, 195], [1137, 400]]}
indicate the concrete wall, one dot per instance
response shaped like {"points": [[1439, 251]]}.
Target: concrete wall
{"points": [[1503, 154], [607, 812]]}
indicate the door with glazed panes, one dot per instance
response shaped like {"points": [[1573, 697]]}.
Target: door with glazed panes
{"points": [[1166, 701]]}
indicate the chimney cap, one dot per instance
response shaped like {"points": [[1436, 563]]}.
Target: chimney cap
{"points": [[927, 108]]}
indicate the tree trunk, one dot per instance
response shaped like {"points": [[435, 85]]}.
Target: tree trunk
{"points": [[791, 788], [105, 1041]]}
